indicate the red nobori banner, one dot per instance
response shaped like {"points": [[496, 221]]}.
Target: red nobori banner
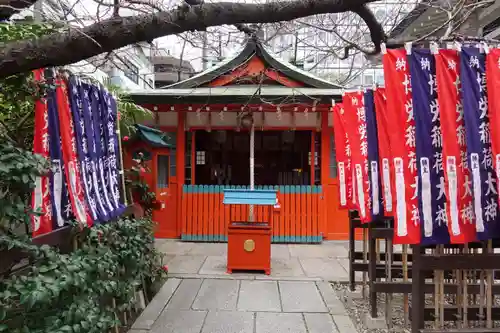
{"points": [[399, 109], [343, 156], [71, 165], [384, 148], [492, 84], [41, 203], [458, 185], [355, 126]]}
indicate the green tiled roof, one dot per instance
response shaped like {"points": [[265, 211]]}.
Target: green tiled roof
{"points": [[154, 137]]}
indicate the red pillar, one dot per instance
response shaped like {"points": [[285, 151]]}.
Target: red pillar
{"points": [[180, 160]]}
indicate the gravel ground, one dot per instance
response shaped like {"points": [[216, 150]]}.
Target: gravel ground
{"points": [[361, 307]]}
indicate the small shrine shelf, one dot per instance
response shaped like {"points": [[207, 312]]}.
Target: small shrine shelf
{"points": [[248, 242]]}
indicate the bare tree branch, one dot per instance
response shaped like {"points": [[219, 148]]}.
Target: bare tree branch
{"points": [[11, 7]]}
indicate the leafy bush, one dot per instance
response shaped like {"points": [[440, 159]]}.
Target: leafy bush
{"points": [[87, 289], [84, 290]]}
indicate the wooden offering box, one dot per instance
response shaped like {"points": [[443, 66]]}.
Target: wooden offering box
{"points": [[249, 243]]}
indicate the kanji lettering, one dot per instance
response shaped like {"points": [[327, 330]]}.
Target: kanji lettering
{"points": [[483, 107], [487, 161], [362, 131], [425, 64], [490, 184], [440, 188], [432, 84], [452, 65], [467, 213], [461, 135], [441, 217], [412, 164], [437, 140], [491, 209], [407, 84], [414, 186], [464, 162], [474, 62], [438, 162], [484, 133], [409, 110], [434, 110], [361, 114], [415, 215], [400, 64], [467, 187], [410, 136], [460, 112]]}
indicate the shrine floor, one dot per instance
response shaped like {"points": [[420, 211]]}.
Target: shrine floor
{"points": [[200, 297]]}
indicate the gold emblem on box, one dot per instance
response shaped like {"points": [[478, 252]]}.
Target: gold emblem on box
{"points": [[249, 245]]}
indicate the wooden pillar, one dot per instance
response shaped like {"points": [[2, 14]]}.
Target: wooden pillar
{"points": [[325, 171], [181, 168], [313, 152], [325, 149]]}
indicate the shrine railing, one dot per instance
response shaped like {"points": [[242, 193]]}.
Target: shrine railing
{"points": [[296, 219]]}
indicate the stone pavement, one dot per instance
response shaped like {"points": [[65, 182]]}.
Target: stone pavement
{"points": [[327, 261], [200, 297]]}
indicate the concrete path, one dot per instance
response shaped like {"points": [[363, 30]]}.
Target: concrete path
{"points": [[199, 297]]}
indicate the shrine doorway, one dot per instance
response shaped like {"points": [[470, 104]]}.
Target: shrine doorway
{"points": [[281, 158]]}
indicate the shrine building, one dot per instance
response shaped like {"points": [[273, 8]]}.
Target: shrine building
{"points": [[199, 143]]}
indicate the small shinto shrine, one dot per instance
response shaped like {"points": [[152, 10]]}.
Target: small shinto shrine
{"points": [[207, 118]]}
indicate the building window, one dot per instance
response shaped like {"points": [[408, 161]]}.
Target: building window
{"points": [[368, 79], [333, 157], [200, 158], [131, 71], [162, 171]]}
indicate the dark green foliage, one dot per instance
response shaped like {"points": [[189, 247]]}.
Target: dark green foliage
{"points": [[86, 290]]}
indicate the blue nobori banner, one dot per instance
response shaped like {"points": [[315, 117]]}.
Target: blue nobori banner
{"points": [[373, 156], [431, 185], [477, 129]]}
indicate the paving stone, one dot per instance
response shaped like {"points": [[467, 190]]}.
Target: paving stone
{"points": [[228, 322], [335, 249], [234, 276], [271, 322], [156, 306], [209, 249], [326, 268], [287, 278], [333, 303], [344, 324], [185, 294], [185, 264], [174, 247], [298, 296], [345, 263], [282, 267], [217, 295], [179, 321], [280, 251], [320, 323], [259, 296], [214, 265], [307, 250]]}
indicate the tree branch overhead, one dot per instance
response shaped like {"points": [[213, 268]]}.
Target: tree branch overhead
{"points": [[77, 44]]}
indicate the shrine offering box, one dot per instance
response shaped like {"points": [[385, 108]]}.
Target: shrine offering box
{"points": [[249, 243]]}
